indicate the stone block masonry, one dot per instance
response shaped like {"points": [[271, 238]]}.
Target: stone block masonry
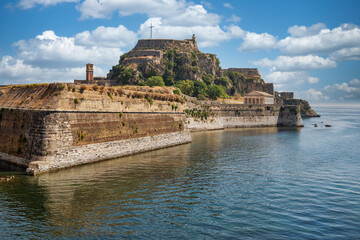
{"points": [[49, 140], [246, 116]]}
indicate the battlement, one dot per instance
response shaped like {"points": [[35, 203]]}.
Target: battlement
{"points": [[145, 53], [187, 45], [249, 72]]}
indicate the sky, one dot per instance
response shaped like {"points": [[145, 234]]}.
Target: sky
{"points": [[309, 47]]}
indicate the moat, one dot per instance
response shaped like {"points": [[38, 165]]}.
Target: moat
{"points": [[279, 183]]}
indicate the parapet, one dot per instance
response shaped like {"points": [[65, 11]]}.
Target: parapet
{"points": [[145, 53], [287, 95], [249, 72], [187, 45]]}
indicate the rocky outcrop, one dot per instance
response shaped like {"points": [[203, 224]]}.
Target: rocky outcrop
{"points": [[305, 108]]}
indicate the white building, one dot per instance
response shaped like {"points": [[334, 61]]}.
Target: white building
{"points": [[257, 97]]}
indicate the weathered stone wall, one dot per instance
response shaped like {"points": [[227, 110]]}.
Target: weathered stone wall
{"points": [[249, 72], [287, 95], [290, 116], [270, 88], [49, 140], [145, 53], [68, 157], [244, 116], [187, 45]]}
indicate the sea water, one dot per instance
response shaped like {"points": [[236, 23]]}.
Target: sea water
{"points": [[266, 183]]}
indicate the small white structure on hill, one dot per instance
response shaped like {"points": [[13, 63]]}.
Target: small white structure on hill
{"points": [[257, 97]]}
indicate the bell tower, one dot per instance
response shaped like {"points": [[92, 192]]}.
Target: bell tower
{"points": [[89, 72]]}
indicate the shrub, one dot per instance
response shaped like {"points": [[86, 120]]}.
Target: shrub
{"points": [[215, 92], [121, 114], [95, 87], [176, 91], [76, 101], [82, 88], [110, 96], [81, 135], [150, 101], [186, 87], [61, 87], [121, 91], [74, 89], [155, 81]]}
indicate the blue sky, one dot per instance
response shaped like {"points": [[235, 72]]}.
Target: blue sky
{"points": [[309, 47]]}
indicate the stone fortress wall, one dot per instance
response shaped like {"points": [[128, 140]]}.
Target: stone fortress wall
{"points": [[145, 53], [43, 141], [187, 45], [245, 116]]}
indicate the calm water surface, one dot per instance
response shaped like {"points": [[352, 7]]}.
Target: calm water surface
{"points": [[233, 184]]}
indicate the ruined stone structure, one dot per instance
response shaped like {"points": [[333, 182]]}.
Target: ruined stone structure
{"points": [[248, 72], [287, 95], [270, 88]]}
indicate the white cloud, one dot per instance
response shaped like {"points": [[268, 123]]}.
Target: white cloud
{"points": [[286, 63], [355, 82], [105, 8], [228, 5], [15, 71], [326, 41], [345, 90], [195, 15], [303, 31], [256, 42], [107, 37], [313, 95], [346, 54], [25, 4], [313, 80], [49, 50], [234, 19], [286, 81], [206, 35]]}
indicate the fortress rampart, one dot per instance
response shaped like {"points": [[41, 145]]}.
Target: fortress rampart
{"points": [[249, 72], [187, 45], [145, 53], [49, 127], [246, 116], [43, 141]]}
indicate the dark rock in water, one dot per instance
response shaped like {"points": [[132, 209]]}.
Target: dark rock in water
{"points": [[315, 125], [328, 125]]}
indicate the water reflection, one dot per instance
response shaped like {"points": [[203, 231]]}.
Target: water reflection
{"points": [[238, 183]]}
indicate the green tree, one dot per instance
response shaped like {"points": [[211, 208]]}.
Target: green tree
{"points": [[126, 75], [215, 92], [186, 87], [200, 88], [208, 78], [169, 77], [155, 81], [223, 81]]}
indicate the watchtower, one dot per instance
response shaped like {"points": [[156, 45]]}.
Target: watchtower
{"points": [[194, 38], [89, 72]]}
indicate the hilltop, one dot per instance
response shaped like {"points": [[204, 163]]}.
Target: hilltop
{"points": [[180, 63]]}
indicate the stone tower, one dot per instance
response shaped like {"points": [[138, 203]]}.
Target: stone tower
{"points": [[89, 72], [194, 38]]}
